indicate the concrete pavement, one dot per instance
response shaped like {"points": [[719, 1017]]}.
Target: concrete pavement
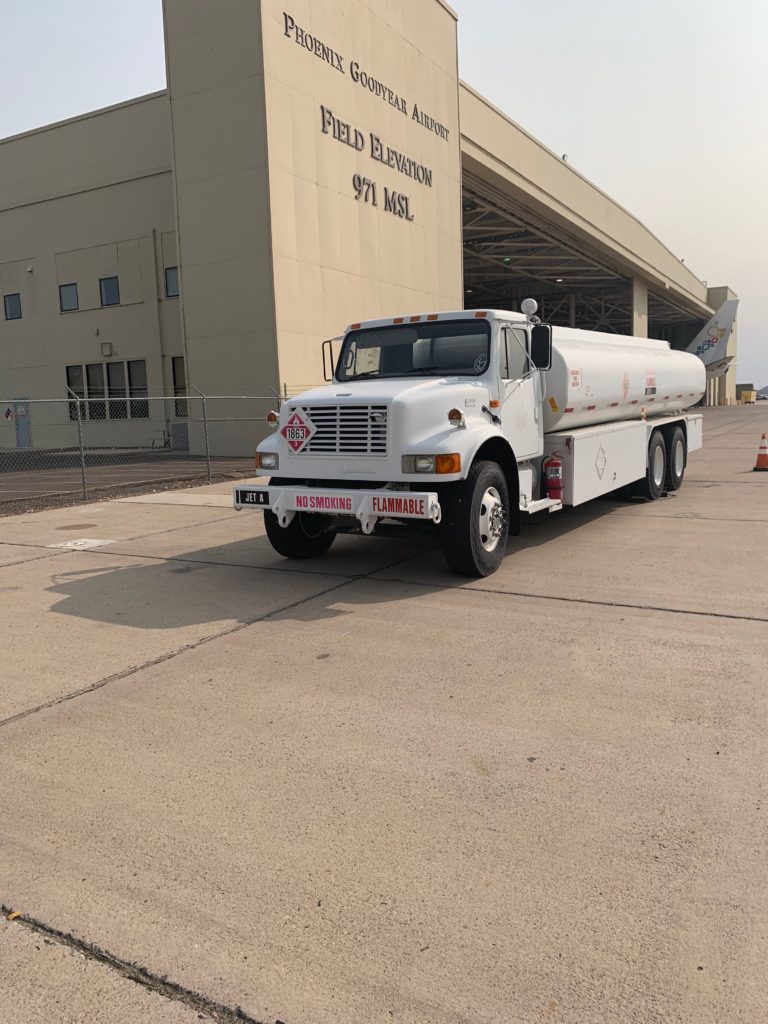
{"points": [[360, 789]]}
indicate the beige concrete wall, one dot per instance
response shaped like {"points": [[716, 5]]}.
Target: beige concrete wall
{"points": [[85, 199], [104, 147], [79, 238], [216, 89], [496, 148], [341, 256]]}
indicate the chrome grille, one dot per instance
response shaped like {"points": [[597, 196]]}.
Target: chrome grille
{"points": [[347, 429]]}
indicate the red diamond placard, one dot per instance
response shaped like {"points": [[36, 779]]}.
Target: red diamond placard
{"points": [[297, 431]]}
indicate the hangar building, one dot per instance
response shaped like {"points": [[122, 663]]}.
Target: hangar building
{"points": [[301, 171]]}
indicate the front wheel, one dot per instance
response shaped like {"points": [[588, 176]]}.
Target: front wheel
{"points": [[476, 528], [306, 536]]}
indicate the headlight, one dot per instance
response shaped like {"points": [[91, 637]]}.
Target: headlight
{"points": [[432, 463], [267, 460]]}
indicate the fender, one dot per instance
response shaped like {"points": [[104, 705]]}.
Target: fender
{"points": [[481, 444]]}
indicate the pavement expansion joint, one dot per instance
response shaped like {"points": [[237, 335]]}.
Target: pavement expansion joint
{"points": [[159, 984], [572, 600]]}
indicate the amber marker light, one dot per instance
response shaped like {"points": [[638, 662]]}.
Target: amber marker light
{"points": [[448, 463], [456, 418], [494, 403], [272, 419]]}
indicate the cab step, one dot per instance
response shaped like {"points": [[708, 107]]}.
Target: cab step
{"points": [[541, 504]]}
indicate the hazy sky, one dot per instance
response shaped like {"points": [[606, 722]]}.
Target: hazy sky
{"points": [[663, 104]]}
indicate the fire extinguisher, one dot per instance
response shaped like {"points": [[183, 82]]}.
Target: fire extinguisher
{"points": [[553, 477]]}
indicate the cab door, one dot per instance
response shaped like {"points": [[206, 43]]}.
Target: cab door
{"points": [[521, 414]]}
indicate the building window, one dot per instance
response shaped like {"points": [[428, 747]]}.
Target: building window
{"points": [[109, 288], [171, 282], [12, 306], [75, 383], [94, 379], [137, 388], [102, 393], [116, 392], [179, 386], [68, 298]]}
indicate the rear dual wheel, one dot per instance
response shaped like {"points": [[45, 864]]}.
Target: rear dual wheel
{"points": [[676, 459], [666, 464], [656, 474]]}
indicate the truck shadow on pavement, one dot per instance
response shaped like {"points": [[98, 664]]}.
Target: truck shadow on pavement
{"points": [[246, 581]]}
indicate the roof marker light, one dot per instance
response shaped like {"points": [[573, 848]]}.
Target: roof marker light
{"points": [[480, 313]]}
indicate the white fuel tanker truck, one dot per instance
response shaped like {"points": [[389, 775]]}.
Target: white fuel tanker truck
{"points": [[461, 424]]}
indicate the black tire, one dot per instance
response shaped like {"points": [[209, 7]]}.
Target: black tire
{"points": [[676, 459], [468, 549], [306, 536], [656, 474]]}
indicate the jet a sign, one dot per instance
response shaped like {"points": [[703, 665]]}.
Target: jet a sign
{"points": [[297, 431]]}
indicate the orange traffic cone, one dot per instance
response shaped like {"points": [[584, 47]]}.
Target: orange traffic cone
{"points": [[761, 464]]}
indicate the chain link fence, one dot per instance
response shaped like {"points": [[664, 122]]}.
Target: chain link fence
{"points": [[65, 450]]}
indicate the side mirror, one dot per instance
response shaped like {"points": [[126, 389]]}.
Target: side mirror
{"points": [[328, 362], [541, 346]]}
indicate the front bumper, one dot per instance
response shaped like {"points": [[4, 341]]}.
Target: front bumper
{"points": [[366, 506]]}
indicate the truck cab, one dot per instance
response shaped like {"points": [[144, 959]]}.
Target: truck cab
{"points": [[418, 408]]}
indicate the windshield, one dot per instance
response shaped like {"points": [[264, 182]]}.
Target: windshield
{"points": [[429, 349]]}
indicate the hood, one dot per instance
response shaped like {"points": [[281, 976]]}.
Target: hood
{"points": [[384, 390]]}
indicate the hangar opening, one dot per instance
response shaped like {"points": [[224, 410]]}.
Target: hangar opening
{"points": [[510, 253]]}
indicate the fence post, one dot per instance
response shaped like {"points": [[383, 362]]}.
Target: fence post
{"points": [[205, 432], [80, 442]]}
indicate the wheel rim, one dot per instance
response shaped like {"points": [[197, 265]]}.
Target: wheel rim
{"points": [[658, 465], [679, 457], [491, 519]]}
